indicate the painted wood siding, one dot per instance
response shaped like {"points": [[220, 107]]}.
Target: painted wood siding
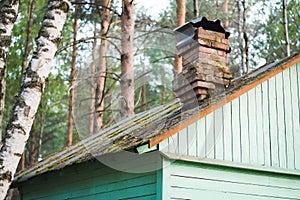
{"points": [[261, 127], [91, 180], [194, 181]]}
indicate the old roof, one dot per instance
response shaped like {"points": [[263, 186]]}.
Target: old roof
{"points": [[152, 126]]}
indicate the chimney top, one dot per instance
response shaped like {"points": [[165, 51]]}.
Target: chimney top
{"points": [[203, 45], [186, 32]]}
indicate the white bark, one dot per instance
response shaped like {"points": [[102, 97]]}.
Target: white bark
{"points": [[8, 15], [31, 91]]}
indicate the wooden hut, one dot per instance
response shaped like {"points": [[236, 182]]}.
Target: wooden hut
{"points": [[223, 138]]}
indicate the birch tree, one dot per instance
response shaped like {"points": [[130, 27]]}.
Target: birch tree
{"points": [[127, 73], [28, 99], [8, 15]]}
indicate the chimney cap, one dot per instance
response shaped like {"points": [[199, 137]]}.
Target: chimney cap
{"points": [[188, 28]]}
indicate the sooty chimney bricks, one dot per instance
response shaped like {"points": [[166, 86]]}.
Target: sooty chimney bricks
{"points": [[203, 45]]}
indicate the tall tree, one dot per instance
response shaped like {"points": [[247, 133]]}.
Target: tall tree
{"points": [[101, 71], [180, 21], [226, 21], [72, 76], [25, 108], [196, 9], [127, 71], [93, 80], [246, 38], [285, 26], [30, 12], [8, 15]]}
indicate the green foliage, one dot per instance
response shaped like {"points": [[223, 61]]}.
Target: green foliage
{"points": [[270, 37]]}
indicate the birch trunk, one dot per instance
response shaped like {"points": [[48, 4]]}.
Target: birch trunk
{"points": [[72, 78], [8, 15], [99, 103], [180, 21], [127, 73], [29, 97], [286, 30]]}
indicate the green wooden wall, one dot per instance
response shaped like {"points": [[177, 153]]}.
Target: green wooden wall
{"points": [[92, 180], [259, 128], [195, 181]]}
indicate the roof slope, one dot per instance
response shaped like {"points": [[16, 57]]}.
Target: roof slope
{"points": [[152, 126]]}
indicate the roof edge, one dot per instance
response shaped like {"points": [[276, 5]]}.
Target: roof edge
{"points": [[230, 164]]}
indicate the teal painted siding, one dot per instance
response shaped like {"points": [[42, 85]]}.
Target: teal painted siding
{"points": [[260, 128], [91, 180], [194, 181]]}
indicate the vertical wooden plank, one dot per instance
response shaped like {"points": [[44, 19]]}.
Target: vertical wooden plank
{"points": [[227, 132], [259, 126], [280, 121], [192, 137], [164, 146], [288, 119], [183, 142], [159, 182], [297, 71], [236, 131], [273, 122], [266, 122], [201, 129], [219, 137], [166, 178], [173, 144], [244, 128], [252, 126], [210, 136], [295, 113]]}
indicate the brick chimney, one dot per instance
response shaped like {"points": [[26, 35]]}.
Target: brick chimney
{"points": [[203, 45]]}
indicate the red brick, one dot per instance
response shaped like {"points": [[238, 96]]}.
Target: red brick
{"points": [[201, 31], [203, 84]]}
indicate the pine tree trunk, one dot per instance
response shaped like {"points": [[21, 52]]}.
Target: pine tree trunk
{"points": [[226, 21], [196, 9], [101, 70], [286, 30], [72, 78], [25, 108], [240, 38], [8, 15], [30, 11], [92, 108], [246, 39], [32, 143], [180, 21], [39, 150], [144, 97], [127, 73]]}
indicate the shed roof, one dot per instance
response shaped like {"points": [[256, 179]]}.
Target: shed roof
{"points": [[152, 126]]}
